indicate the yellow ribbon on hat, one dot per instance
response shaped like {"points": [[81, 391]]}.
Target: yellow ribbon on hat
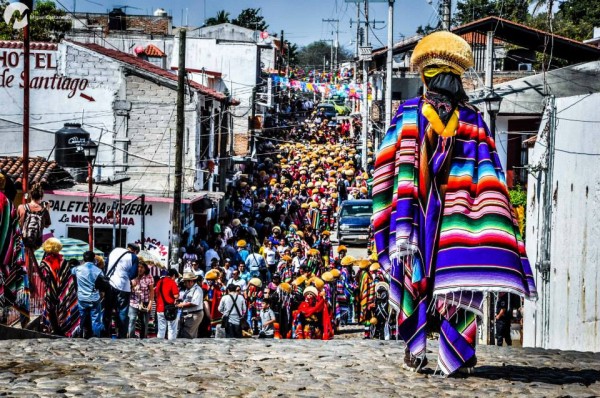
{"points": [[431, 71], [449, 130]]}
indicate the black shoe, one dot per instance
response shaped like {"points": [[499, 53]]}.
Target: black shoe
{"points": [[413, 363], [469, 367]]}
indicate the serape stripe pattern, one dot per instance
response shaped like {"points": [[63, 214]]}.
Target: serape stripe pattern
{"points": [[444, 226]]}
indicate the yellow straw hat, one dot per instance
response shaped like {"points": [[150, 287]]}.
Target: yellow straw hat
{"points": [[52, 245], [255, 282], [342, 248], [241, 243], [347, 260], [212, 275], [442, 49], [299, 280], [335, 273], [374, 267], [286, 287], [327, 276], [318, 282], [364, 263]]}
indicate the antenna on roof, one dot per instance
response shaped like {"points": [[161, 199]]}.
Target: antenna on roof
{"points": [[126, 7]]}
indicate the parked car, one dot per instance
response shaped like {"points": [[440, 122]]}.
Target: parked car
{"points": [[354, 218], [327, 109], [340, 106]]}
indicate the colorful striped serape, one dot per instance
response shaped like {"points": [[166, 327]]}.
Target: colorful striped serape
{"points": [[444, 227], [14, 285]]}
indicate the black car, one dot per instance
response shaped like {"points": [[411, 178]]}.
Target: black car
{"points": [[354, 219]]}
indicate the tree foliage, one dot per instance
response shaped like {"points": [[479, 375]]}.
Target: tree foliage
{"points": [[291, 53], [250, 18], [47, 23], [221, 17], [575, 19], [312, 55], [514, 10]]}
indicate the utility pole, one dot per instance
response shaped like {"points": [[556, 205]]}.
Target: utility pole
{"points": [[26, 59], [211, 144], [365, 110], [446, 6], [390, 60], [176, 214], [489, 67], [336, 42]]}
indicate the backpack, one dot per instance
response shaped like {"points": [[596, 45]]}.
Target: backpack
{"points": [[33, 226]]}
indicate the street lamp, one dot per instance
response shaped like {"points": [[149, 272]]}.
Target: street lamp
{"points": [[492, 106], [90, 150]]}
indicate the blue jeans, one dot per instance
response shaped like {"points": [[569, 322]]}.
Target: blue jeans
{"points": [[118, 301], [144, 316], [91, 318]]}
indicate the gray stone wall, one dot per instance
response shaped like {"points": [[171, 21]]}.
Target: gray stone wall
{"points": [[86, 64], [152, 127]]}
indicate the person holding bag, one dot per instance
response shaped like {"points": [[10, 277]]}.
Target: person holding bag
{"points": [[166, 292], [233, 308]]}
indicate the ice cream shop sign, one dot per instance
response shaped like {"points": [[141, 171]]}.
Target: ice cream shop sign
{"points": [[69, 211], [76, 211], [11, 74]]}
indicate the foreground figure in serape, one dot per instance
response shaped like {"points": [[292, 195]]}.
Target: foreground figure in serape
{"points": [[61, 313], [444, 227], [14, 286]]}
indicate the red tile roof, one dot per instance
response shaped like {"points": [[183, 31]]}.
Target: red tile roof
{"points": [[146, 66], [49, 173], [32, 46], [153, 51]]}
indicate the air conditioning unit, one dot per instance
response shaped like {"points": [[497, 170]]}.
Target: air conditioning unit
{"points": [[525, 67]]}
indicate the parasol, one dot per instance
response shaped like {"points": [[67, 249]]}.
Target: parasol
{"points": [[150, 258], [72, 248]]}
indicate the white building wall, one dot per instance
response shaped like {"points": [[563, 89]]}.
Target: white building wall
{"points": [[51, 107], [237, 63], [567, 315]]}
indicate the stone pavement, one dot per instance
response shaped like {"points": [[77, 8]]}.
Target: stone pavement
{"points": [[261, 368]]}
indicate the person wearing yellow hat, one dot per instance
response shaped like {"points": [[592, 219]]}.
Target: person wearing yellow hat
{"points": [[60, 288], [330, 294], [430, 136], [325, 248]]}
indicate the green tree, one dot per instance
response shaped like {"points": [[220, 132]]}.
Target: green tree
{"points": [[514, 10], [577, 18], [291, 53], [427, 29], [250, 18], [47, 23], [222, 17], [312, 55]]}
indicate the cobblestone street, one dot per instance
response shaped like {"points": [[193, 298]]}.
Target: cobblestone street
{"points": [[259, 368]]}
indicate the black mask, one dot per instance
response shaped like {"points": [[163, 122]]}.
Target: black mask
{"points": [[444, 92]]}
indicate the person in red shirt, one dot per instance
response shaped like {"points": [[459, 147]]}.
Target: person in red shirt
{"points": [[166, 292]]}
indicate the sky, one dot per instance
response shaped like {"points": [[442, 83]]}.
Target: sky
{"points": [[301, 20]]}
